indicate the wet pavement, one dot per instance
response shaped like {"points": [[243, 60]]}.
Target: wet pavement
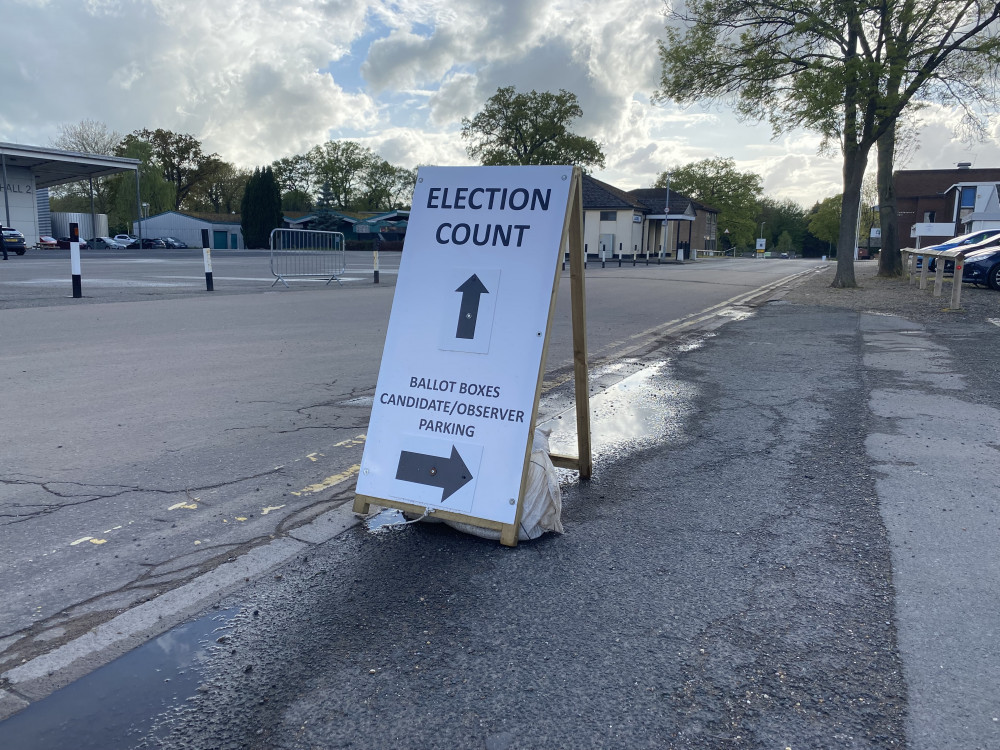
{"points": [[769, 555]]}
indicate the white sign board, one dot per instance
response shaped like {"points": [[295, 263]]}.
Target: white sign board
{"points": [[761, 244], [457, 385], [931, 229]]}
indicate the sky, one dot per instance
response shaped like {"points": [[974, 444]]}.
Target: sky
{"points": [[256, 80]]}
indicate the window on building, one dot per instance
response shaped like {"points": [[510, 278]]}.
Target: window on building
{"points": [[609, 216], [929, 217], [969, 197]]}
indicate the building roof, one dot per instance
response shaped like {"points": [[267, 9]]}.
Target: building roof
{"points": [[655, 198], [199, 216], [934, 183], [52, 166], [599, 195], [300, 217]]}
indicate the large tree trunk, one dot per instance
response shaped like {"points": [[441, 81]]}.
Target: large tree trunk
{"points": [[855, 161], [890, 262]]}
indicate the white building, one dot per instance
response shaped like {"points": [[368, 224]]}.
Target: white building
{"points": [[224, 230], [24, 170]]}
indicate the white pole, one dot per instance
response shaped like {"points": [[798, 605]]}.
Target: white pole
{"points": [[666, 218], [74, 259]]}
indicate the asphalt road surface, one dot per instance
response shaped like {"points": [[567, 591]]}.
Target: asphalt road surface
{"points": [[789, 541], [155, 431]]}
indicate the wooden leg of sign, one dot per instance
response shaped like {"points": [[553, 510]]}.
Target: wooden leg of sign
{"points": [[579, 316], [361, 505], [508, 535]]}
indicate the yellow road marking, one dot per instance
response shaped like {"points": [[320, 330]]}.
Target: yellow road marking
{"points": [[269, 508], [189, 506], [329, 481], [358, 440]]}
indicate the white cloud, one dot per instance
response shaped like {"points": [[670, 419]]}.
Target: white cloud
{"points": [[247, 79]]}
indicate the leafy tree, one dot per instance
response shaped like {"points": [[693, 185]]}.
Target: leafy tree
{"points": [[296, 200], [181, 160], [785, 244], [293, 173], [780, 216], [154, 190], [261, 208], [86, 137], [958, 44], [717, 183], [403, 186], [530, 128], [847, 70], [342, 166], [222, 192], [825, 220], [386, 186]]}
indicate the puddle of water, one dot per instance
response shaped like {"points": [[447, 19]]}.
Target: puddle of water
{"points": [[118, 703], [385, 521], [741, 314], [647, 407], [690, 346], [360, 401]]}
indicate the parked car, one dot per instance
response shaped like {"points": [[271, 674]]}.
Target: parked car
{"points": [[125, 239], [105, 243], [174, 243], [147, 243], [13, 241], [47, 243], [63, 243], [984, 237], [983, 268]]}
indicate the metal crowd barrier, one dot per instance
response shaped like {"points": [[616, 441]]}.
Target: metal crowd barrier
{"points": [[307, 254]]}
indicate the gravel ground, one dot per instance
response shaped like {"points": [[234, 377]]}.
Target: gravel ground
{"points": [[897, 297]]}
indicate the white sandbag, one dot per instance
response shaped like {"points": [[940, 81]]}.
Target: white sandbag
{"points": [[542, 509]]}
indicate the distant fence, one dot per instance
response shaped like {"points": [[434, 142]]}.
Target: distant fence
{"points": [[307, 254]]}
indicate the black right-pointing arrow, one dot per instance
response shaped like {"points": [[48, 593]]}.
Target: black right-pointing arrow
{"points": [[450, 474], [471, 291]]}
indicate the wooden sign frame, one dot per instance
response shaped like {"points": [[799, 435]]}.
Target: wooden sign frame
{"points": [[571, 240]]}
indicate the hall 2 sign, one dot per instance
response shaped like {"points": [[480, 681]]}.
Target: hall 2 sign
{"points": [[457, 394]]}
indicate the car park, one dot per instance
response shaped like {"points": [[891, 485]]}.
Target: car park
{"points": [[982, 238], [105, 243], [147, 243], [982, 268], [63, 243]]}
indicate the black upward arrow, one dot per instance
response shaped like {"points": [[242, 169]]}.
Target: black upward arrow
{"points": [[450, 474], [471, 290]]}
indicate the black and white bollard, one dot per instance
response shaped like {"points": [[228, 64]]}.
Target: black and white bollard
{"points": [[74, 259], [376, 266], [209, 284]]}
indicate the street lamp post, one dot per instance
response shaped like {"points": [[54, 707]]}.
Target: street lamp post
{"points": [[666, 218]]}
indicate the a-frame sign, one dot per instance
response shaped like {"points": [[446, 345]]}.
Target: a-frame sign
{"points": [[457, 395]]}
